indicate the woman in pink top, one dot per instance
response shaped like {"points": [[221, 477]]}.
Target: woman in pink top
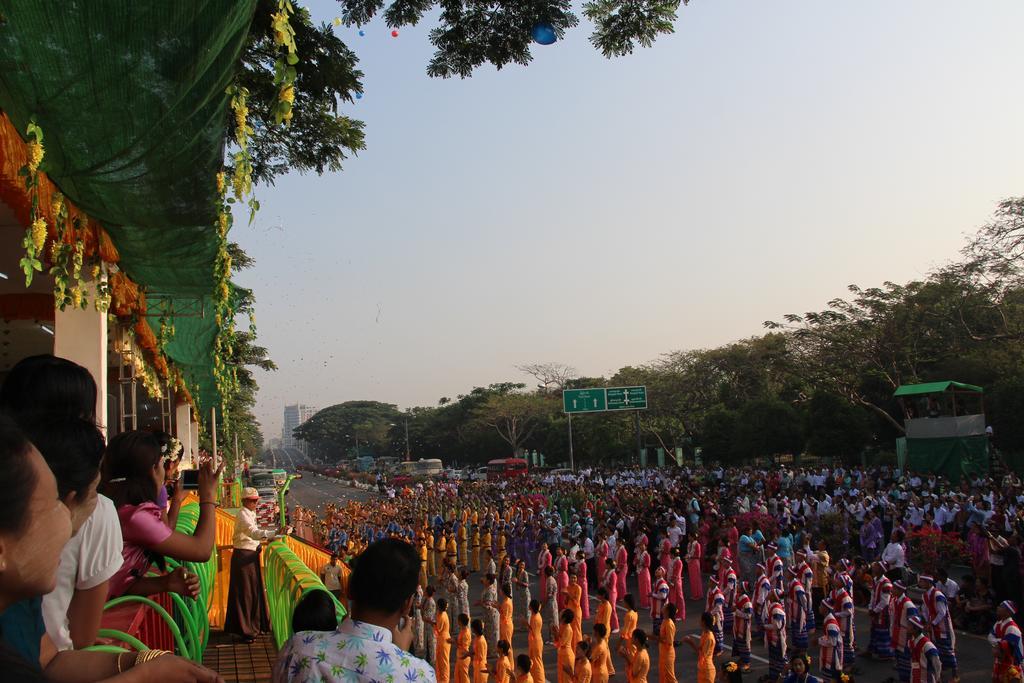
{"points": [[133, 471]]}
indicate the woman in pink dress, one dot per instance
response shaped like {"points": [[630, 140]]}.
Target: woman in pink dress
{"points": [[543, 560], [611, 584], [666, 554], [676, 585], [561, 576], [601, 555], [643, 576], [621, 567], [694, 555]]}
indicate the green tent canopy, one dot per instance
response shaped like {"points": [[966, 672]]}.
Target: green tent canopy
{"points": [[934, 388], [130, 95]]}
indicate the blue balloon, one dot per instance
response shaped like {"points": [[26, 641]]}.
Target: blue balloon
{"points": [[359, 95], [362, 32], [544, 33]]}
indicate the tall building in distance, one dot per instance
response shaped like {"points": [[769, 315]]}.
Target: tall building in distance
{"points": [[293, 417]]}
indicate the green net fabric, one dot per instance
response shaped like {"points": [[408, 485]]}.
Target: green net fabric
{"points": [[130, 95]]}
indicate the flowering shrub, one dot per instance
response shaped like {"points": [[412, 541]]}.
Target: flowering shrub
{"points": [[931, 549], [768, 525]]}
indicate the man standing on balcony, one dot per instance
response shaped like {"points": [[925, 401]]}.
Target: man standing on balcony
{"points": [[247, 606]]}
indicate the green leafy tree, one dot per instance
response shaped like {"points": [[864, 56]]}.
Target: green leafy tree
{"points": [[836, 428], [515, 416], [767, 429], [468, 35], [340, 428], [718, 435]]}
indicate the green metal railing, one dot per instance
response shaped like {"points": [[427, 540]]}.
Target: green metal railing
{"points": [[287, 581]]}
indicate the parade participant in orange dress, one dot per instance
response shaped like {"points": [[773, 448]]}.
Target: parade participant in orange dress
{"points": [[637, 659], [503, 664], [566, 653], [535, 643], [603, 615], [629, 619], [478, 661], [704, 648], [582, 670], [442, 643], [462, 654], [573, 593], [600, 656], [524, 665], [505, 617], [667, 647]]}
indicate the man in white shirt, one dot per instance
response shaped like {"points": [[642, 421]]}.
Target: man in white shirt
{"points": [[247, 605]]}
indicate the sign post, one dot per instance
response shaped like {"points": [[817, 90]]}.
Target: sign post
{"points": [[605, 400]]}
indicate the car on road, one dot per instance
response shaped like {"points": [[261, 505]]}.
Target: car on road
{"points": [[478, 474]]}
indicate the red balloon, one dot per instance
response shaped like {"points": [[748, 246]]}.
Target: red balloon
{"points": [[394, 34]]}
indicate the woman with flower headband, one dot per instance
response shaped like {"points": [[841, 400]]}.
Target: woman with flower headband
{"points": [[798, 670]]}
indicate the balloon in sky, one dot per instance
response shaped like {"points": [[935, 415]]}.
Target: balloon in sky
{"points": [[544, 33], [359, 95], [394, 34], [362, 33]]}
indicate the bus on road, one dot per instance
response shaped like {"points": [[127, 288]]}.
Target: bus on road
{"points": [[429, 467], [506, 468]]}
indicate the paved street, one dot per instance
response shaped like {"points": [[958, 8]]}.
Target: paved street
{"points": [[974, 652]]}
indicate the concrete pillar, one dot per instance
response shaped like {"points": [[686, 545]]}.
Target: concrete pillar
{"points": [[194, 439], [81, 336], [183, 429]]}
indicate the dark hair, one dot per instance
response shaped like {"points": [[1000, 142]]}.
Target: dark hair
{"points": [[524, 662], [600, 630], [567, 616], [127, 477], [72, 447], [19, 478], [707, 620], [585, 644], [628, 599], [463, 619], [503, 647], [316, 611], [640, 636], [477, 627], [442, 604], [386, 575], [670, 610], [535, 605], [49, 385], [429, 590], [602, 592]]}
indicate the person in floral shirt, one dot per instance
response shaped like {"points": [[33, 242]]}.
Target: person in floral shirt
{"points": [[372, 643]]}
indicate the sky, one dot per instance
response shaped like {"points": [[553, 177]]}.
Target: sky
{"points": [[600, 213]]}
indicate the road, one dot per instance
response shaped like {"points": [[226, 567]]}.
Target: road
{"points": [[974, 653]]}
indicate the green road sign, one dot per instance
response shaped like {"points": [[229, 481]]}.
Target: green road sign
{"points": [[627, 398], [583, 400]]}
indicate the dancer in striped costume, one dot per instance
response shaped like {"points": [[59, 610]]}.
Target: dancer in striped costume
{"points": [[940, 623], [729, 592], [901, 609], [715, 605], [805, 574], [1006, 643], [762, 586], [797, 607], [925, 665], [830, 643], [880, 644], [743, 618], [775, 634], [842, 600]]}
